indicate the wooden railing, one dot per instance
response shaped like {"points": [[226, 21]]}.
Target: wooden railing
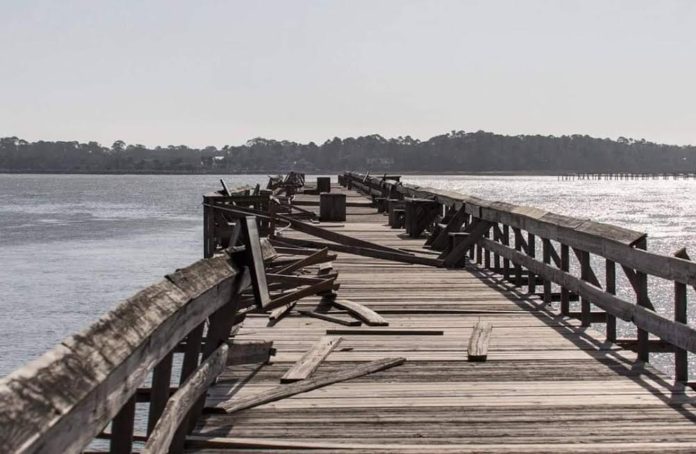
{"points": [[87, 387], [502, 237]]}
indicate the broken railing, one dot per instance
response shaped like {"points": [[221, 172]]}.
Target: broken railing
{"points": [[505, 238]]}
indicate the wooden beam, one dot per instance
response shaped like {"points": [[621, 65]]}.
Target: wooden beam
{"points": [[364, 313], [320, 256], [310, 361], [454, 225], [323, 286], [254, 259], [386, 332], [401, 256], [330, 318], [336, 237], [478, 342], [183, 400], [248, 352], [283, 391], [475, 231]]}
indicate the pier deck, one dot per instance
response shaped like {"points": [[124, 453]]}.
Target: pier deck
{"points": [[548, 384]]}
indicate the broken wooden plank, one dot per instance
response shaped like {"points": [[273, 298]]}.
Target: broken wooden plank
{"points": [[311, 360], [330, 318], [400, 256], [336, 237], [297, 281], [475, 231], [283, 391], [254, 260], [478, 342], [280, 312], [364, 313], [250, 351], [387, 332], [318, 257], [183, 400], [324, 286]]}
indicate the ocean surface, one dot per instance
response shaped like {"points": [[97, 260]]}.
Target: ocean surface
{"points": [[73, 246]]}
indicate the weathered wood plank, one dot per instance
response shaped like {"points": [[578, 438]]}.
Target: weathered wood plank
{"points": [[303, 386], [330, 318], [183, 400], [401, 256], [311, 360], [478, 342], [364, 313]]}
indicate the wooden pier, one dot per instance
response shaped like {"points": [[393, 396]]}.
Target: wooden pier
{"points": [[421, 323]]}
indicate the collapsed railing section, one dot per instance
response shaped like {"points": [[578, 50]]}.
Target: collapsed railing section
{"points": [[503, 237]]}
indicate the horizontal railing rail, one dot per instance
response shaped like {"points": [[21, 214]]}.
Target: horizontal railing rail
{"points": [[502, 237]]}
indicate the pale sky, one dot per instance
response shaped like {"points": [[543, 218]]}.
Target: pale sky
{"points": [[222, 72]]}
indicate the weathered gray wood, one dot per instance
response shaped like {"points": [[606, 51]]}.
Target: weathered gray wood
{"points": [[400, 256], [565, 266], [246, 352], [478, 342], [183, 400], [475, 231], [677, 334], [324, 286], [311, 360], [610, 285], [317, 257], [336, 237], [254, 259], [70, 393], [611, 242], [122, 427], [364, 313], [386, 332], [681, 360], [330, 318], [303, 386], [332, 207], [161, 378]]}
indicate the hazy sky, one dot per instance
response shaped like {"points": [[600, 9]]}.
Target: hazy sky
{"points": [[221, 72]]}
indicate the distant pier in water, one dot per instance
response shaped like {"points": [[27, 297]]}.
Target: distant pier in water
{"points": [[627, 176]]}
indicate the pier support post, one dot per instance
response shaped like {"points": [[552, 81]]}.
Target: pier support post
{"points": [[323, 184], [332, 207]]}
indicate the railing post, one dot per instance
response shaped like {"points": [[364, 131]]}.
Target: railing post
{"points": [[531, 251], [518, 248], [497, 238], [585, 307], [122, 429], [546, 244], [565, 266], [611, 289], [642, 300], [208, 229], [506, 242], [681, 361], [159, 391]]}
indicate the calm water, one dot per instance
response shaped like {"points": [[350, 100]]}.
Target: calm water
{"points": [[72, 246]]}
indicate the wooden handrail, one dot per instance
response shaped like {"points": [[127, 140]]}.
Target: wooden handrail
{"points": [[62, 400], [612, 242]]}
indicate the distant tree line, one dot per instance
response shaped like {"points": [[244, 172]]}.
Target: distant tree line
{"points": [[457, 151]]}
